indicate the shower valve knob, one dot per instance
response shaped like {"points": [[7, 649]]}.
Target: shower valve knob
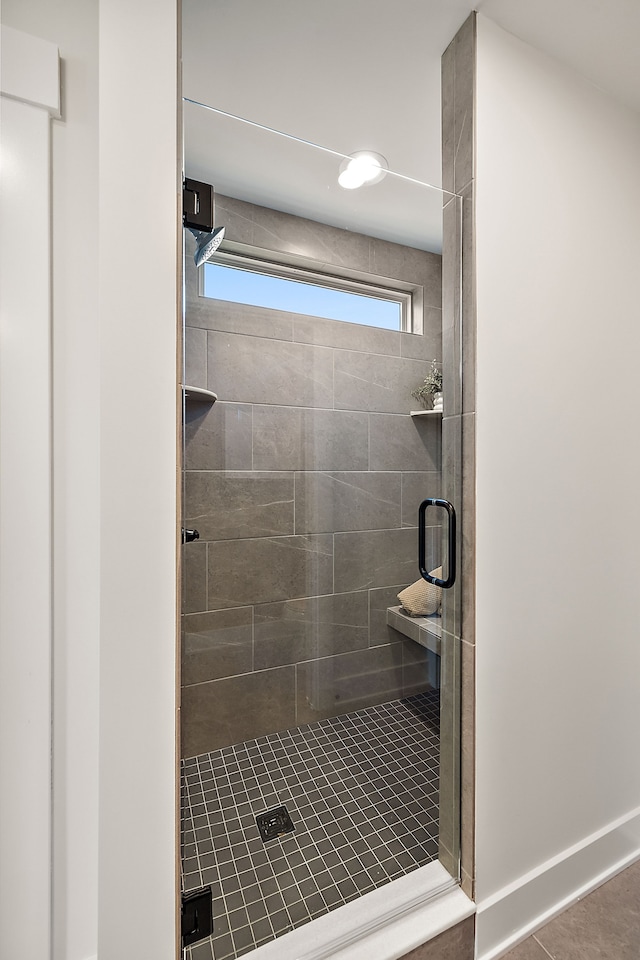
{"points": [[188, 536]]}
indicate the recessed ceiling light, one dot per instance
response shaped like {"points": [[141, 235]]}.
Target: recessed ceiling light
{"points": [[363, 167]]}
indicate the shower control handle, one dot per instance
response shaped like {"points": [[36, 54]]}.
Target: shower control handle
{"points": [[188, 536], [451, 539]]}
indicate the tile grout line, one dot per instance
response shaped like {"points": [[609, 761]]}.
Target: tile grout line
{"points": [[551, 957], [274, 765]]}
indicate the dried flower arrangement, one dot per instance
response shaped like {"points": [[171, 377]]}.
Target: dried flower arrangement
{"points": [[431, 385]]}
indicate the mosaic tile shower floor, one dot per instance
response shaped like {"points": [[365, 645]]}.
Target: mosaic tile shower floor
{"points": [[362, 792]]}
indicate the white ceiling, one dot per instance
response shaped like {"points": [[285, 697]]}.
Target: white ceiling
{"points": [[361, 74]]}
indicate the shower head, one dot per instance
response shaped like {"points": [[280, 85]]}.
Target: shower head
{"points": [[206, 243]]}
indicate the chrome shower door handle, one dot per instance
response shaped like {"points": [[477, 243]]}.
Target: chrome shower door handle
{"points": [[451, 540]]}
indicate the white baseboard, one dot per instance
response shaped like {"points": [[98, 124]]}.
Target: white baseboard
{"points": [[519, 909]]}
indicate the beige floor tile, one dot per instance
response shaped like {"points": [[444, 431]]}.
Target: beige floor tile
{"points": [[603, 926], [528, 950]]}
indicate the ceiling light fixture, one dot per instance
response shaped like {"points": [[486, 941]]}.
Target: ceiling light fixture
{"points": [[363, 167]]}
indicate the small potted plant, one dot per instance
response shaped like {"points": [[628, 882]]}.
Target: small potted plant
{"points": [[429, 394]]}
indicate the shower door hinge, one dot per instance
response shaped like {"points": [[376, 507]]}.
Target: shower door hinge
{"points": [[197, 915], [197, 205]]}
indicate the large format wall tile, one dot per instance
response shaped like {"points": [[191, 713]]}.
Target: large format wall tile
{"points": [[451, 306], [428, 344], [329, 502], [218, 644], [312, 425], [417, 487], [314, 627], [458, 92], [194, 577], [467, 533], [346, 336], [404, 443], [379, 599], [212, 314], [458, 87], [195, 357], [435, 550], [294, 438], [463, 119], [335, 685], [375, 559], [451, 461], [257, 370], [411, 265], [260, 571], [190, 269], [469, 331], [274, 230], [237, 216], [467, 760], [218, 437], [448, 91], [365, 381], [222, 712], [226, 506], [420, 668]]}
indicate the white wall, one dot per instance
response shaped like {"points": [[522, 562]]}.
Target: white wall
{"points": [[558, 473], [30, 90], [72, 25], [138, 303], [113, 322]]}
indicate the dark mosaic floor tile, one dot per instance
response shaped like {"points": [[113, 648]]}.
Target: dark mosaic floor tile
{"points": [[267, 881], [221, 921], [332, 897], [243, 939], [280, 922], [275, 903], [230, 884], [308, 888], [237, 919], [299, 913], [234, 901], [223, 947], [201, 951], [362, 793], [256, 911], [262, 930]]}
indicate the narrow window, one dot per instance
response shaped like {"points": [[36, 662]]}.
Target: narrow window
{"points": [[314, 295]]}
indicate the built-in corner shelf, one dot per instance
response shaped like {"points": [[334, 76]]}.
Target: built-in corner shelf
{"points": [[199, 395], [425, 413], [427, 631]]}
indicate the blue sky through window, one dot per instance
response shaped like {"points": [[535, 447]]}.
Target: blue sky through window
{"points": [[296, 296]]}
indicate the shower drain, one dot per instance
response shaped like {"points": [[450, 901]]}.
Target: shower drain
{"points": [[274, 823]]}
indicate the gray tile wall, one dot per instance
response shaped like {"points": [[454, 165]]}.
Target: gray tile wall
{"points": [[458, 450], [304, 481]]}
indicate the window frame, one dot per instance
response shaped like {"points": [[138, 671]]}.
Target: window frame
{"points": [[294, 267]]}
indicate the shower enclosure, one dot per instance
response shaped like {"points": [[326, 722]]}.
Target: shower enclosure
{"points": [[319, 720]]}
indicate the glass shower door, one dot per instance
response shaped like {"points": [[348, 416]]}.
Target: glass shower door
{"points": [[319, 719]]}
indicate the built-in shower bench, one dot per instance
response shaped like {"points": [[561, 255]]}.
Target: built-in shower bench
{"points": [[427, 631]]}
